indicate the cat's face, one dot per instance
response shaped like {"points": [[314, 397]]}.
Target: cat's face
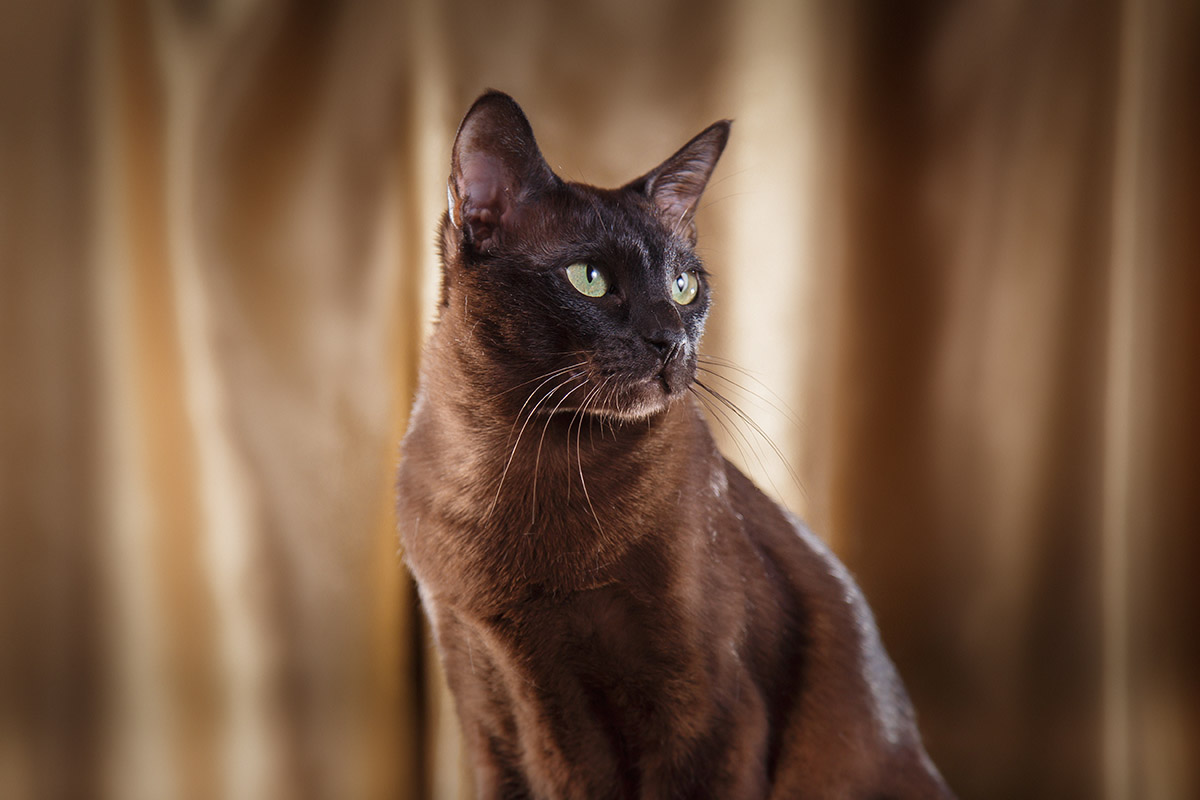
{"points": [[574, 298]]}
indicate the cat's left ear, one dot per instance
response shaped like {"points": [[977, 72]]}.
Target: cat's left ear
{"points": [[496, 167], [675, 185]]}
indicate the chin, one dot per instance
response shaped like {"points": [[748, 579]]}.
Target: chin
{"points": [[643, 400]]}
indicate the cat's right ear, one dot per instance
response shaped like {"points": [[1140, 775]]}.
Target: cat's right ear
{"points": [[495, 168], [675, 185]]}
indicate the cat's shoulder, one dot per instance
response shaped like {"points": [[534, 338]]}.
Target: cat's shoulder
{"points": [[803, 558]]}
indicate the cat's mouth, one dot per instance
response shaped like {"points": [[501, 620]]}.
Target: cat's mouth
{"points": [[619, 394], [648, 396]]}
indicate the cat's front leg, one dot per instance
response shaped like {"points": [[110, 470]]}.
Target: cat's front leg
{"points": [[483, 708], [496, 777], [724, 757]]}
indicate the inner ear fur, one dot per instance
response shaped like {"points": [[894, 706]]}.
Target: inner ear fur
{"points": [[495, 167], [676, 185]]}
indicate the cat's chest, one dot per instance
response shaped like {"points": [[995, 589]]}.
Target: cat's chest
{"points": [[600, 638]]}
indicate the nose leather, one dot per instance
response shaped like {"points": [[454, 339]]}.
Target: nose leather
{"points": [[662, 329], [666, 343]]}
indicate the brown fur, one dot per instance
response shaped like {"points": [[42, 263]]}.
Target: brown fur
{"points": [[620, 612]]}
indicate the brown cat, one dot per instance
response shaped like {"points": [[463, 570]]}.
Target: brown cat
{"points": [[620, 612]]}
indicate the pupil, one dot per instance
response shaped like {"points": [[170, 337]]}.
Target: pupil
{"points": [[591, 274]]}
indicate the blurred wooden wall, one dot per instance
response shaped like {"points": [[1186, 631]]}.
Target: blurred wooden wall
{"points": [[957, 240]]}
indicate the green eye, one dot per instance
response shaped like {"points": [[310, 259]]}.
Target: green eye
{"points": [[685, 287], [588, 280]]}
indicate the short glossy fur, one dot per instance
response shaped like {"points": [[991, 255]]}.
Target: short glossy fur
{"points": [[620, 612]]}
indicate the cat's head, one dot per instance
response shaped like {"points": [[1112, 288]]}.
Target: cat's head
{"points": [[569, 296]]}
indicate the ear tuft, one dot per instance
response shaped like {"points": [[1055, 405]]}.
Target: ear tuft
{"points": [[495, 168], [675, 186]]}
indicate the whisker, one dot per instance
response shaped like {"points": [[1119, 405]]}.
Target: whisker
{"points": [[779, 404], [730, 423], [610, 401], [580, 413], [600, 401], [722, 418], [537, 461], [528, 418], [757, 429], [551, 377], [550, 374], [577, 416], [579, 459], [741, 411]]}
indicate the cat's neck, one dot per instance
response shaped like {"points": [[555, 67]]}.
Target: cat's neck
{"points": [[584, 485], [504, 433]]}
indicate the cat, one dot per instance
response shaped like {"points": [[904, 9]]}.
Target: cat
{"points": [[620, 612]]}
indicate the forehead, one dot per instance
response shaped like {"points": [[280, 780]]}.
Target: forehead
{"points": [[616, 225]]}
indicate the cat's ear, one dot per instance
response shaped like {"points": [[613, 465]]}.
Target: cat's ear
{"points": [[675, 185], [495, 168]]}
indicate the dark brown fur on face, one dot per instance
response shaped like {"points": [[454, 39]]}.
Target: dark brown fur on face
{"points": [[620, 612]]}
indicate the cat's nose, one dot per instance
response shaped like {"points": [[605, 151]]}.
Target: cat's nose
{"points": [[663, 331], [667, 343]]}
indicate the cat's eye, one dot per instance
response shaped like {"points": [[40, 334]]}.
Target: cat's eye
{"points": [[587, 280], [685, 287]]}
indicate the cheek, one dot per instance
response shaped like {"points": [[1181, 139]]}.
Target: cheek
{"points": [[590, 329], [694, 325]]}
